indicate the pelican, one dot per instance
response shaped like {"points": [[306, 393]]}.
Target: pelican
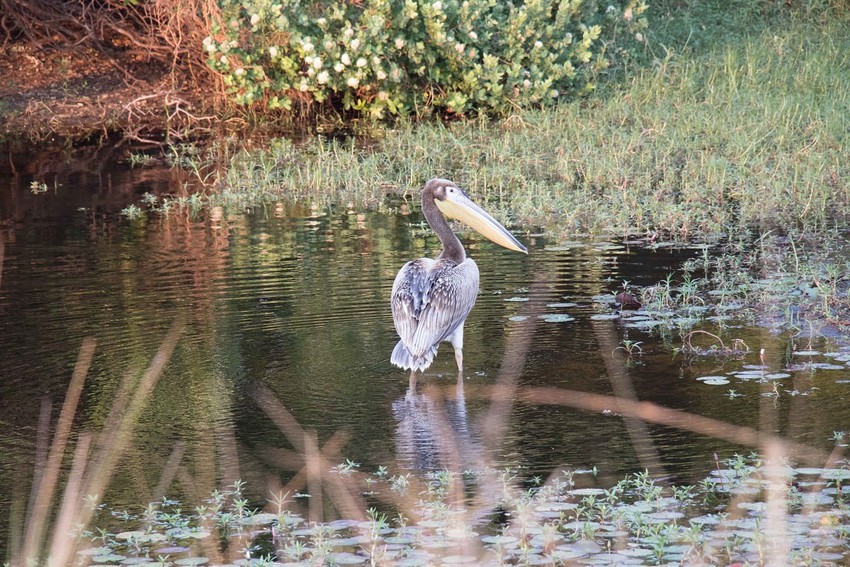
{"points": [[432, 298]]}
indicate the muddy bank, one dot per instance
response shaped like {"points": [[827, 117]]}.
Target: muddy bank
{"points": [[82, 94]]}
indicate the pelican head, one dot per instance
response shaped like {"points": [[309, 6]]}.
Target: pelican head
{"points": [[455, 204]]}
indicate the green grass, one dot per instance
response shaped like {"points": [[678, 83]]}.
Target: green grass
{"points": [[698, 144]]}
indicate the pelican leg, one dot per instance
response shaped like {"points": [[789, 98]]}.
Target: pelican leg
{"points": [[457, 343]]}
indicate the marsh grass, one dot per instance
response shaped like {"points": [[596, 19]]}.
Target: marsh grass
{"points": [[796, 281], [734, 120], [697, 145]]}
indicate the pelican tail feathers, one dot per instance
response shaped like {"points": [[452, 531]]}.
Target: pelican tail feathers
{"points": [[405, 359]]}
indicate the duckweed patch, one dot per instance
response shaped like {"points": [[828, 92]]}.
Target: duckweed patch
{"points": [[745, 511]]}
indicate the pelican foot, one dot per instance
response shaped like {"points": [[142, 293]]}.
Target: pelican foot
{"points": [[459, 359]]}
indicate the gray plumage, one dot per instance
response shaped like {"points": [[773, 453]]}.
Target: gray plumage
{"points": [[431, 298], [430, 302]]}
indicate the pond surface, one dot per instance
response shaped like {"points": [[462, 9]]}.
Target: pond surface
{"points": [[289, 305]]}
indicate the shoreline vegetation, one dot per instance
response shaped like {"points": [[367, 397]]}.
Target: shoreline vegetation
{"points": [[737, 143]]}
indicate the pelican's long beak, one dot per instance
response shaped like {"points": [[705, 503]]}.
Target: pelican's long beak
{"points": [[459, 206]]}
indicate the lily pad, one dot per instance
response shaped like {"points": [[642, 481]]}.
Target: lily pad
{"points": [[643, 324], [581, 547], [707, 520], [556, 506], [666, 515], [587, 492], [260, 519], [749, 375], [556, 318], [609, 559], [346, 558], [108, 558], [459, 560], [349, 541], [636, 552], [174, 549], [500, 539], [95, 551], [342, 524]]}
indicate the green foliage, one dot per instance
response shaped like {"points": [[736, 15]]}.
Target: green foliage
{"points": [[407, 56]]}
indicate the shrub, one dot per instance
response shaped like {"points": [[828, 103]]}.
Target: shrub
{"points": [[411, 56]]}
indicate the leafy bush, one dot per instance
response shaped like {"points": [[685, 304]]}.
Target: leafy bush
{"points": [[411, 56]]}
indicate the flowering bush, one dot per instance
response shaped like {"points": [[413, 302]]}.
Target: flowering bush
{"points": [[410, 56]]}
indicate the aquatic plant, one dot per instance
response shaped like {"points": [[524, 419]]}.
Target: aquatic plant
{"points": [[719, 520]]}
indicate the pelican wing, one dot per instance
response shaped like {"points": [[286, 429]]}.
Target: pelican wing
{"points": [[411, 293], [430, 299]]}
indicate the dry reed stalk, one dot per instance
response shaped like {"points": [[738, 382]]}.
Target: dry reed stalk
{"points": [[127, 417], [494, 423], [42, 447], [653, 413], [169, 471], [310, 461], [40, 510], [621, 384], [776, 516], [89, 475], [62, 545]]}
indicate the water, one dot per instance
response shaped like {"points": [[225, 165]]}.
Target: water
{"points": [[290, 304]]}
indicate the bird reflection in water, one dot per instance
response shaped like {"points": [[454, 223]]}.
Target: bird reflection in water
{"points": [[433, 430]]}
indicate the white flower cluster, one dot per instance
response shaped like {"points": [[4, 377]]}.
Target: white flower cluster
{"points": [[360, 50]]}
